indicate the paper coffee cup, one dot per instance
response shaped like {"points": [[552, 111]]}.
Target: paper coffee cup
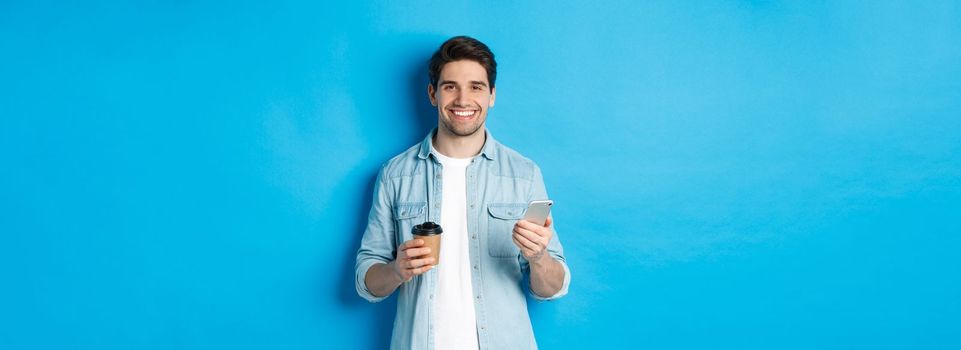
{"points": [[430, 233]]}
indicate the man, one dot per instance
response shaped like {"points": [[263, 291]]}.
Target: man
{"points": [[478, 190]]}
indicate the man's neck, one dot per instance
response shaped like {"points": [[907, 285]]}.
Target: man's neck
{"points": [[455, 146]]}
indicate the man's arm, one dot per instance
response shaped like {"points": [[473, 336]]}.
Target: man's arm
{"points": [[383, 279], [547, 274], [378, 244], [376, 275]]}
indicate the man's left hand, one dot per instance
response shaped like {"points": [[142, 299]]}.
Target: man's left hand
{"points": [[532, 238]]}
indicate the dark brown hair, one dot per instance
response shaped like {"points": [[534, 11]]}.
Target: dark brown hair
{"points": [[462, 48]]}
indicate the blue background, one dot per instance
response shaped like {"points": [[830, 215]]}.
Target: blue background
{"points": [[728, 174]]}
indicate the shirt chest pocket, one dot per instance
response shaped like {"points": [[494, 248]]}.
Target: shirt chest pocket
{"points": [[500, 227], [406, 215]]}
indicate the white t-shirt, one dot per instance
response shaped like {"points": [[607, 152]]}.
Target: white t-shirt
{"points": [[455, 326]]}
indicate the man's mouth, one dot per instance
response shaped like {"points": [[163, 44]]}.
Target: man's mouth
{"points": [[463, 114]]}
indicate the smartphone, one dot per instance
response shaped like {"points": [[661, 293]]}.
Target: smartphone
{"points": [[538, 210]]}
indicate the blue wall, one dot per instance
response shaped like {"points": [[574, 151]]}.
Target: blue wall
{"points": [[728, 174]]}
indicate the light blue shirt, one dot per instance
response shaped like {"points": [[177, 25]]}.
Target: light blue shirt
{"points": [[500, 183]]}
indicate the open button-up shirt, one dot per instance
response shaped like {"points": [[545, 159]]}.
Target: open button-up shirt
{"points": [[500, 183]]}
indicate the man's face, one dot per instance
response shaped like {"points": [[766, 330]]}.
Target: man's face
{"points": [[462, 97]]}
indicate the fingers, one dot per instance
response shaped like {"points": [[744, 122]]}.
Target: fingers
{"points": [[420, 270], [417, 263], [528, 249], [525, 243], [527, 224], [417, 252], [414, 267], [533, 225], [531, 238], [524, 250], [411, 261], [416, 242], [531, 235]]}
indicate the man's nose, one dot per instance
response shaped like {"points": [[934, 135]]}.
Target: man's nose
{"points": [[461, 98]]}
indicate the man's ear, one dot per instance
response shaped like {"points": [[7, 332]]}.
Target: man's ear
{"points": [[430, 95], [493, 97]]}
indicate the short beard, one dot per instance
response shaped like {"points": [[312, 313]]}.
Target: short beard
{"points": [[460, 132]]}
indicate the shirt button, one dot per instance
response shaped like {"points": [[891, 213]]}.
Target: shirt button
{"points": [[475, 267], [473, 236], [472, 206]]}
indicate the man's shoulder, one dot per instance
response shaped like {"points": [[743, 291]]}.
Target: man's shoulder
{"points": [[512, 163], [403, 164], [513, 156]]}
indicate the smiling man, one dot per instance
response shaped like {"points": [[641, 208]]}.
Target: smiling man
{"points": [[478, 189]]}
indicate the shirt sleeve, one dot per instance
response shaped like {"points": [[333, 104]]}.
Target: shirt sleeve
{"points": [[378, 244], [554, 247]]}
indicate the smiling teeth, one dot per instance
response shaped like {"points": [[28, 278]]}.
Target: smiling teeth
{"points": [[464, 113]]}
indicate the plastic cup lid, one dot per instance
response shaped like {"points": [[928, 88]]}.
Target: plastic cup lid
{"points": [[426, 229]]}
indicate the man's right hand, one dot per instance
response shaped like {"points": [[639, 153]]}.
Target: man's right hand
{"points": [[412, 259]]}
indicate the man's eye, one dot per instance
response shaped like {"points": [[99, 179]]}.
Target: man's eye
{"points": [[448, 87], [478, 88]]}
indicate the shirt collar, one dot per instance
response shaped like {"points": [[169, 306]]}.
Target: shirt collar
{"points": [[489, 150]]}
